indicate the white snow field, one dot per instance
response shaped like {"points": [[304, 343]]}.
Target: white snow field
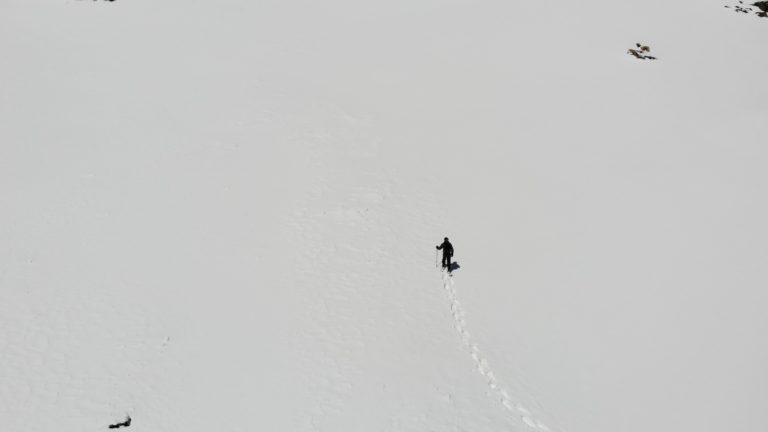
{"points": [[222, 215]]}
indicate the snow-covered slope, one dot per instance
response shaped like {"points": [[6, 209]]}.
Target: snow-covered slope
{"points": [[220, 216]]}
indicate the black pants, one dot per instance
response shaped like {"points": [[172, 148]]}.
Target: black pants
{"points": [[447, 261]]}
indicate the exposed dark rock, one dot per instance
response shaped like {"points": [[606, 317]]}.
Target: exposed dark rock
{"points": [[642, 52], [126, 423], [744, 9], [763, 6]]}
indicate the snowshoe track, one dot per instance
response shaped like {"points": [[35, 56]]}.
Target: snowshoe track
{"points": [[516, 409]]}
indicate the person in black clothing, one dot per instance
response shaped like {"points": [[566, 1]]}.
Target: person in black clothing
{"points": [[447, 248]]}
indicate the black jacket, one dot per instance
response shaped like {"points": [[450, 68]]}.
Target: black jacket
{"points": [[447, 248]]}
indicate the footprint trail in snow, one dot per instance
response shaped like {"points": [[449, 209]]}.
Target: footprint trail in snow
{"points": [[514, 408]]}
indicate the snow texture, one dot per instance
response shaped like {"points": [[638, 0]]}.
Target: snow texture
{"points": [[221, 216]]}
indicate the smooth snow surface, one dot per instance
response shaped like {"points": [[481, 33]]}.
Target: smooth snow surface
{"points": [[221, 216]]}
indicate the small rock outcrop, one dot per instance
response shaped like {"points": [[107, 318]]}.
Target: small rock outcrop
{"points": [[642, 52], [763, 6], [741, 7], [125, 423]]}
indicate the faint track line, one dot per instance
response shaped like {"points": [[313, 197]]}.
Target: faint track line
{"points": [[481, 363]]}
